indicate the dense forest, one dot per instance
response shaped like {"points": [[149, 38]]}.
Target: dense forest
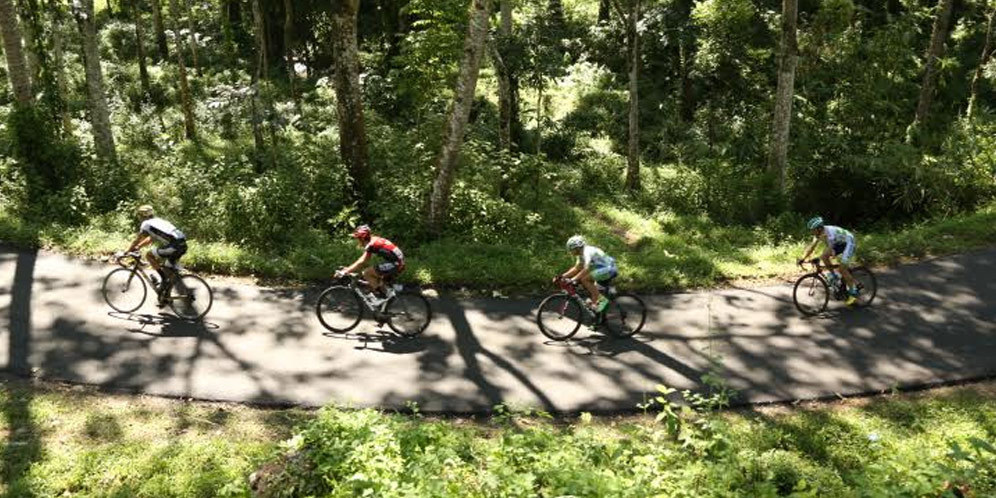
{"points": [[281, 124]]}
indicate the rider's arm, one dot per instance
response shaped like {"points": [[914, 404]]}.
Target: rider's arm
{"points": [[358, 263], [581, 273], [573, 271], [140, 241], [809, 249]]}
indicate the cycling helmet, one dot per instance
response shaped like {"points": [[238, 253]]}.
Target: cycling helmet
{"points": [[575, 242], [146, 211], [361, 232], [814, 223]]}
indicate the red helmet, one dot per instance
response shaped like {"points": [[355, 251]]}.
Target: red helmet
{"points": [[362, 232]]}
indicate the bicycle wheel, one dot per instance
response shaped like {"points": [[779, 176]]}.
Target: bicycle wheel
{"points": [[124, 290], [811, 294], [867, 285], [408, 313], [339, 309], [190, 297], [625, 315], [559, 317]]}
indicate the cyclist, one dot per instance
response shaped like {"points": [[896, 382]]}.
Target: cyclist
{"points": [[839, 242], [393, 264], [171, 244], [592, 265]]}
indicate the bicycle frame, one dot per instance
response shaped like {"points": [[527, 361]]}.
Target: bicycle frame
{"points": [[353, 282], [572, 290]]}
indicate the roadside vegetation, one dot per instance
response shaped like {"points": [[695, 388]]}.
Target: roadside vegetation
{"points": [[60, 440]]}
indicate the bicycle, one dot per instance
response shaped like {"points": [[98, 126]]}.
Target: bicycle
{"points": [[816, 288], [125, 289], [341, 307], [560, 315]]}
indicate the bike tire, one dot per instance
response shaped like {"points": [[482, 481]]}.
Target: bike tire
{"points": [[869, 285], [339, 302], [818, 291], [559, 317], [122, 281], [625, 315], [408, 313], [190, 297]]}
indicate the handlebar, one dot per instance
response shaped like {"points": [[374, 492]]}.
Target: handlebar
{"points": [[137, 256]]}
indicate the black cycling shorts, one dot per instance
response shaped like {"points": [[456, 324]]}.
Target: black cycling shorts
{"points": [[172, 252], [388, 269]]}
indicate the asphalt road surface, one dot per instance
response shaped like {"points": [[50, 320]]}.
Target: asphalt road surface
{"points": [[933, 321]]}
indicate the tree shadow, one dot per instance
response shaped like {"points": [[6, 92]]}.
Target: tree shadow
{"points": [[23, 446]]}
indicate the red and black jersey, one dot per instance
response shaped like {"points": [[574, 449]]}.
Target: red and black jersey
{"points": [[386, 249]]}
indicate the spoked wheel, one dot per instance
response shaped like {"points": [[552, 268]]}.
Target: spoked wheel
{"points": [[625, 315], [191, 297], [867, 285], [339, 309], [811, 294], [559, 317], [408, 313], [124, 290]]}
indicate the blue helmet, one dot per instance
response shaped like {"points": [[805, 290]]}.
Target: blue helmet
{"points": [[814, 223]]}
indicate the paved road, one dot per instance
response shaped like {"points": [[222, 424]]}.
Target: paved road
{"points": [[933, 321]]}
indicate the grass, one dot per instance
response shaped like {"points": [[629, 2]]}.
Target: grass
{"points": [[656, 253], [59, 440]]}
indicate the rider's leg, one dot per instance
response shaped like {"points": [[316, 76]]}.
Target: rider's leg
{"points": [[845, 259], [826, 257], [589, 285], [370, 273]]}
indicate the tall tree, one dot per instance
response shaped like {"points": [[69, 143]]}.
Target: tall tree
{"points": [[934, 53], [352, 129], [192, 34], [143, 70], [459, 113], [157, 26], [100, 116], [31, 30], [630, 14], [17, 68], [987, 53], [788, 59], [289, 45], [186, 101], [258, 74], [259, 21], [604, 11], [506, 90], [56, 18]]}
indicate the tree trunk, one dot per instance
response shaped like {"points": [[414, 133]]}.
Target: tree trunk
{"points": [[787, 61], [352, 129], [505, 97], [987, 52], [17, 68], [934, 52], [192, 33], [633, 49], [259, 20], [30, 29], [58, 56], [288, 45], [157, 26], [456, 122], [189, 127], [604, 11], [100, 117], [143, 70], [257, 77]]}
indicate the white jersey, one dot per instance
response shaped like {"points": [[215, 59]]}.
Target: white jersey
{"points": [[593, 257], [161, 231], [837, 235]]}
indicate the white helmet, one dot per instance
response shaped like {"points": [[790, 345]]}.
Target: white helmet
{"points": [[575, 242]]}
